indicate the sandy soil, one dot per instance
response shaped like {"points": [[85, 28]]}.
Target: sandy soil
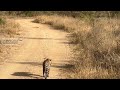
{"points": [[39, 41]]}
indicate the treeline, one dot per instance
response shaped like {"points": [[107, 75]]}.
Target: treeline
{"points": [[74, 14]]}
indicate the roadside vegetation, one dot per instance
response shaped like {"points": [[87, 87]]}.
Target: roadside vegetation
{"points": [[95, 42], [8, 29]]}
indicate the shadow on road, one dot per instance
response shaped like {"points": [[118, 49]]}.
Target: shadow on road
{"points": [[35, 38], [42, 38], [55, 65], [27, 74], [61, 40]]}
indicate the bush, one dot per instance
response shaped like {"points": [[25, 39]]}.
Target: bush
{"points": [[2, 21], [8, 27]]}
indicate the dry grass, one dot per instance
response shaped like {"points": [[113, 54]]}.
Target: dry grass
{"points": [[98, 50], [8, 29], [96, 45], [61, 22]]}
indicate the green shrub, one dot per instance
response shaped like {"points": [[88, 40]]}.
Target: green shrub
{"points": [[2, 21]]}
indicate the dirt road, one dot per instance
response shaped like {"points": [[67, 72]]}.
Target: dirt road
{"points": [[39, 41]]}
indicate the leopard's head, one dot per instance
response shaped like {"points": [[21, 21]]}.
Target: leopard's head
{"points": [[48, 59]]}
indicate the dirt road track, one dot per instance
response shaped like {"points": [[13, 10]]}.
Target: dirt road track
{"points": [[39, 41]]}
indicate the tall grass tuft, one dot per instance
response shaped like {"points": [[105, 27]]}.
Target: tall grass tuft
{"points": [[8, 27]]}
